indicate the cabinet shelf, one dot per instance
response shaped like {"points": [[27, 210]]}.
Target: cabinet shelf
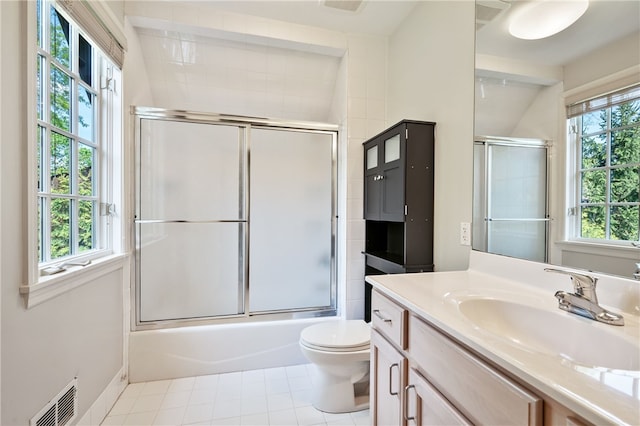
{"points": [[391, 263]]}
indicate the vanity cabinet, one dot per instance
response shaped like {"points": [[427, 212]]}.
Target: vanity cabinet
{"points": [[421, 376]]}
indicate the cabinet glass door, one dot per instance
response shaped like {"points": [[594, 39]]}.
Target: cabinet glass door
{"points": [[372, 157], [392, 149]]}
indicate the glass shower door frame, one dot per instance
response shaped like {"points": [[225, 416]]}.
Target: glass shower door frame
{"points": [[245, 124]]}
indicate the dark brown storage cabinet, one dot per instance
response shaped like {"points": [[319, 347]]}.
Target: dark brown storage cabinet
{"points": [[398, 200]]}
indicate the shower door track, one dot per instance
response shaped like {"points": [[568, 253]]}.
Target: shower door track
{"points": [[246, 316]]}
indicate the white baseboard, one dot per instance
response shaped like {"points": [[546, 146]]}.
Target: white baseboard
{"points": [[101, 406]]}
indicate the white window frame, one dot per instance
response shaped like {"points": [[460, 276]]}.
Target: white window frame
{"points": [[572, 231], [108, 254]]}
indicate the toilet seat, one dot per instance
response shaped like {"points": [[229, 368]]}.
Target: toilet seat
{"points": [[337, 336]]}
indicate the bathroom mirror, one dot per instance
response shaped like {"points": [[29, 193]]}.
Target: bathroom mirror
{"points": [[518, 97]]}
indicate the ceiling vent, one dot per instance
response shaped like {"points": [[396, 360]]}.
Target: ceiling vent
{"points": [[488, 10], [346, 5], [61, 410]]}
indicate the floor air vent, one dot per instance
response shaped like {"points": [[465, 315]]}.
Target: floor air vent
{"points": [[61, 409]]}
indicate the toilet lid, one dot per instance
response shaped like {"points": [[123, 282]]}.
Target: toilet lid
{"points": [[352, 335]]}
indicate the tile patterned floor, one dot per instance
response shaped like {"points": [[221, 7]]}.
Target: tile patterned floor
{"points": [[270, 397]]}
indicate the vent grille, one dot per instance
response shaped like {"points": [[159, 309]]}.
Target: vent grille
{"points": [[488, 10], [48, 418], [61, 409], [348, 5]]}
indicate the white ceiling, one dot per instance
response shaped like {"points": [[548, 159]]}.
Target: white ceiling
{"points": [[378, 17], [502, 99], [604, 22]]}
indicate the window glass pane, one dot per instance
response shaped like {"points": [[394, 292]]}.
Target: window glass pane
{"points": [[60, 164], [625, 114], [39, 150], [625, 223], [372, 157], [594, 122], [86, 211], [86, 102], [60, 227], [40, 229], [625, 146], [594, 151], [60, 99], [59, 33], [86, 159], [392, 149], [594, 186], [84, 60], [39, 22], [593, 224], [625, 185], [40, 88]]}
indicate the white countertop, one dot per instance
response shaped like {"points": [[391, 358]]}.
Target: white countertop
{"points": [[599, 395]]}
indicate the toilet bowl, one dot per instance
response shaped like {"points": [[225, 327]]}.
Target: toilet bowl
{"points": [[340, 352]]}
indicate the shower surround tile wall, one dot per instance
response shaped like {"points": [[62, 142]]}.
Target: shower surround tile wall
{"points": [[200, 58]]}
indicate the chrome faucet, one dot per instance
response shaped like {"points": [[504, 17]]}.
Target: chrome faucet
{"points": [[584, 301]]}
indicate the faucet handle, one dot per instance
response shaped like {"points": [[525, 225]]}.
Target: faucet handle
{"points": [[584, 285]]}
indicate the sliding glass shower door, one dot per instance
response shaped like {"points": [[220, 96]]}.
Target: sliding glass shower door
{"points": [[234, 219], [291, 220], [190, 220]]}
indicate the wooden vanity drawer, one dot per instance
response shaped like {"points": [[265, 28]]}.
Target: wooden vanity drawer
{"points": [[389, 318], [481, 393]]}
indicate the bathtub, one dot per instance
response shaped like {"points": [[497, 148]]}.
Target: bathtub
{"points": [[219, 348]]}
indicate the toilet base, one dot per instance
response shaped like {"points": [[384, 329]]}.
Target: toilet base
{"points": [[336, 395]]}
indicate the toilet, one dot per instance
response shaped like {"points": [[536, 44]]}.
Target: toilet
{"points": [[340, 352]]}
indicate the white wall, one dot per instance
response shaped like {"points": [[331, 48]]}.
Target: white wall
{"points": [[79, 333], [431, 77], [617, 56]]}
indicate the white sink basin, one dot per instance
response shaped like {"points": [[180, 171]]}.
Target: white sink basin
{"points": [[579, 340]]}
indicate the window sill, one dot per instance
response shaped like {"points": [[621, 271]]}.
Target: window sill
{"points": [[589, 247], [51, 286]]}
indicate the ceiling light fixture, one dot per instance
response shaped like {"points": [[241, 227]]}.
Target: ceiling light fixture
{"points": [[543, 18]]}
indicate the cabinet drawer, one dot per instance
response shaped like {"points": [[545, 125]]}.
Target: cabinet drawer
{"points": [[389, 319], [481, 393]]}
